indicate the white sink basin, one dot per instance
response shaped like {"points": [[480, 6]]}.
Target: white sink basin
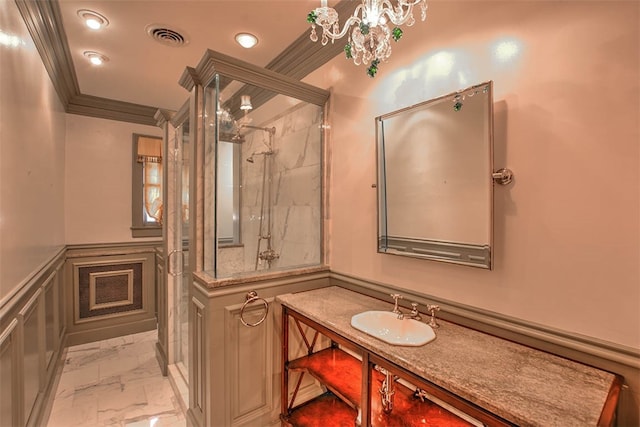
{"points": [[386, 326]]}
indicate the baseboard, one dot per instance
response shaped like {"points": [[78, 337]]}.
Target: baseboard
{"points": [[180, 387], [161, 357]]}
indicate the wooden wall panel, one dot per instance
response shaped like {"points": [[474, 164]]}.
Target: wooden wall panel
{"points": [[110, 291], [236, 368], [50, 298], [9, 393], [33, 353], [251, 356], [197, 390]]}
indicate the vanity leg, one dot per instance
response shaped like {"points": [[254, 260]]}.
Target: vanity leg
{"points": [[284, 382], [365, 406]]}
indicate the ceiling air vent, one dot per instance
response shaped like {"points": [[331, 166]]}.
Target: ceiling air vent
{"points": [[167, 36]]}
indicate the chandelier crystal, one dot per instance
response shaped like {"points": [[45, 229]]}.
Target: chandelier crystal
{"points": [[370, 36]]}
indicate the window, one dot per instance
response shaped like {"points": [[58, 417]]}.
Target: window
{"points": [[146, 187]]}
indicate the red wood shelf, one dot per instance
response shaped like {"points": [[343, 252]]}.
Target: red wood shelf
{"points": [[336, 369], [325, 410], [341, 373]]}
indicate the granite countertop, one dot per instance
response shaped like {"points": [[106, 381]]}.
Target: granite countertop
{"points": [[522, 385]]}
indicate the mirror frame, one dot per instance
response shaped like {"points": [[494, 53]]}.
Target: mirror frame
{"points": [[468, 254]]}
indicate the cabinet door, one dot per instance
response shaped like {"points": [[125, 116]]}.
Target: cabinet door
{"points": [[252, 377]]}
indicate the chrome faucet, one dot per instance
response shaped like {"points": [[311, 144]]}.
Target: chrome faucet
{"points": [[396, 310]]}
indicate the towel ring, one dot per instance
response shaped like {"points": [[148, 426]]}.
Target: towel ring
{"points": [[252, 296]]}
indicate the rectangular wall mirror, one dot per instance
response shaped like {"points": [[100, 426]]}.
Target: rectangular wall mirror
{"points": [[435, 187]]}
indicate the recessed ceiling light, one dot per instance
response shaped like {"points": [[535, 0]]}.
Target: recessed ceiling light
{"points": [[92, 19], [246, 40], [95, 58]]}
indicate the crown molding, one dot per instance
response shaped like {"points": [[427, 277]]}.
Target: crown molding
{"points": [[304, 56], [94, 106], [296, 61], [189, 79], [258, 77], [44, 22], [181, 115], [163, 116]]}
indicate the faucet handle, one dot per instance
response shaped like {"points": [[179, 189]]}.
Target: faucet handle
{"points": [[433, 308], [396, 297]]}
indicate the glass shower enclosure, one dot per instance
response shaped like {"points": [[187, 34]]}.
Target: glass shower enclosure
{"points": [[262, 178]]}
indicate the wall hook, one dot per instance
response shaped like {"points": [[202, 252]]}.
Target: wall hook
{"points": [[502, 176]]}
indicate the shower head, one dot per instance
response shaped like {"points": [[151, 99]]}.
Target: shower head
{"points": [[259, 153]]}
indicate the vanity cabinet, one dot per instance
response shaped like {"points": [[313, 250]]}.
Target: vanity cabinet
{"points": [[467, 377], [354, 378]]}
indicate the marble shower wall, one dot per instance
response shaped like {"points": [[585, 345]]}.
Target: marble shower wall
{"points": [[296, 193]]}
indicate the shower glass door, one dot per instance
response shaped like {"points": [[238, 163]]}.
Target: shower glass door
{"points": [[265, 153], [181, 242]]}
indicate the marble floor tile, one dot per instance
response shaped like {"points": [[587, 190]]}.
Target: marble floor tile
{"points": [[115, 382]]}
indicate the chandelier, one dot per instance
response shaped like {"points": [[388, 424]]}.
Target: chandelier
{"points": [[370, 37]]}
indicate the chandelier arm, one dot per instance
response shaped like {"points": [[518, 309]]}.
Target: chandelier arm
{"points": [[406, 3], [327, 30], [389, 11]]}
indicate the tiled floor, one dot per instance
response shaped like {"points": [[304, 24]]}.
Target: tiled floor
{"points": [[116, 382]]}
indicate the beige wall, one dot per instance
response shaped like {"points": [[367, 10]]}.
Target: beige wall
{"points": [[567, 232], [98, 179], [31, 157]]}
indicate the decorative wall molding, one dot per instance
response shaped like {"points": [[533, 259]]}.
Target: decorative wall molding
{"points": [[31, 343], [118, 248], [30, 281], [104, 108], [126, 272], [44, 22]]}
